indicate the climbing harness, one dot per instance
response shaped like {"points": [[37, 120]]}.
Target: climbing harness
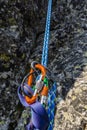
{"points": [[37, 94]]}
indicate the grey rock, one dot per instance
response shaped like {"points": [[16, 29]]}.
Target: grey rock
{"points": [[21, 41]]}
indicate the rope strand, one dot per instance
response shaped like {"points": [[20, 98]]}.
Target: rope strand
{"points": [[52, 91], [46, 36]]}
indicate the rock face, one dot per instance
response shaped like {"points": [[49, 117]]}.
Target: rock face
{"points": [[22, 32], [71, 113]]}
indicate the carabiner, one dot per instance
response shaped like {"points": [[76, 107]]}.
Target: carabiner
{"points": [[35, 66]]}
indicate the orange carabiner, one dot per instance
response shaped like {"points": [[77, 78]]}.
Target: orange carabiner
{"points": [[44, 91], [42, 69], [32, 99], [30, 80]]}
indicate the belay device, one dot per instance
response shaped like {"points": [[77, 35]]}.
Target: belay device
{"points": [[37, 94]]}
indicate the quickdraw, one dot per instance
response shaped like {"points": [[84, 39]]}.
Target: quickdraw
{"points": [[31, 93]]}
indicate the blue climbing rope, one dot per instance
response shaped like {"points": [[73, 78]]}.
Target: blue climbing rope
{"points": [[46, 36], [51, 105], [52, 91]]}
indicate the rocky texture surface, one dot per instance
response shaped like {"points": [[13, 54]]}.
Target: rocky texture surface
{"points": [[71, 113], [22, 31]]}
